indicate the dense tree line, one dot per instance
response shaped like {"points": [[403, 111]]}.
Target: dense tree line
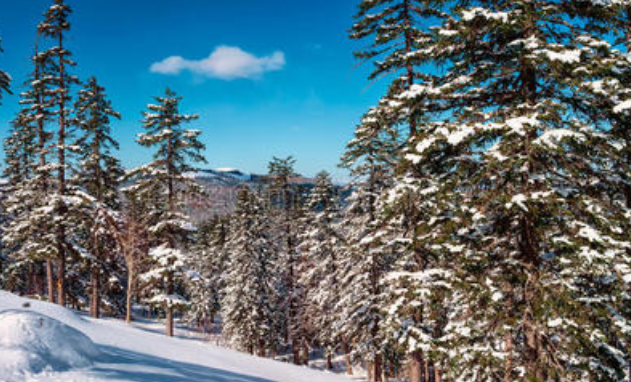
{"points": [[484, 236]]}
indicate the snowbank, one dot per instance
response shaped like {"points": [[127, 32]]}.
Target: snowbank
{"points": [[31, 343], [44, 342]]}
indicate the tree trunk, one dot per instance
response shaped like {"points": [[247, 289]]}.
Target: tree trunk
{"points": [[377, 369], [369, 371], [30, 287], [426, 370], [347, 358], [169, 322], [41, 284], [95, 281], [437, 376], [295, 348], [50, 278], [416, 364], [261, 348], [130, 289], [305, 352], [61, 183], [61, 279], [169, 309], [329, 362], [508, 363]]}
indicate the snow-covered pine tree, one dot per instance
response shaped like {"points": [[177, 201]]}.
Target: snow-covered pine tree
{"points": [[521, 177], [63, 201], [247, 309], [207, 263], [285, 201], [395, 30], [20, 155], [371, 156], [320, 247], [98, 174], [612, 95], [165, 181], [27, 234]]}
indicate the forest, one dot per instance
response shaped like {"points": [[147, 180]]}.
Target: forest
{"points": [[484, 235]]}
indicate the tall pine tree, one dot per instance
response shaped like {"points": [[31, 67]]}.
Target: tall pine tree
{"points": [[98, 174], [164, 180], [518, 184]]}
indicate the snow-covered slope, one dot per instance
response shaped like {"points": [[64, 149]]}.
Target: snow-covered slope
{"points": [[128, 353]]}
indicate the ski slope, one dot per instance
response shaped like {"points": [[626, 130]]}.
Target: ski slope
{"points": [[35, 332]]}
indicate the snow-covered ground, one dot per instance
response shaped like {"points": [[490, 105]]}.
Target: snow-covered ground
{"points": [[44, 342]]}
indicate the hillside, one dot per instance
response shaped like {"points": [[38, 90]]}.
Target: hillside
{"points": [[123, 353]]}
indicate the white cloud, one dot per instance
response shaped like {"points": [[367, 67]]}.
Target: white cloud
{"points": [[225, 62]]}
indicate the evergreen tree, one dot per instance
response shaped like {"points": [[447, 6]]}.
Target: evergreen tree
{"points": [[208, 263], [164, 181], [27, 233], [248, 312], [64, 201], [395, 34], [320, 248], [98, 174], [286, 200], [371, 156], [518, 192]]}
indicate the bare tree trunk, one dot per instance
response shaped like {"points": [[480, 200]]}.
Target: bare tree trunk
{"points": [[426, 370], [305, 352], [50, 278], [130, 290], [508, 363], [30, 288], [61, 277], [41, 284], [329, 362], [169, 323], [295, 348], [437, 376], [377, 369], [95, 281], [369, 371], [261, 348], [416, 362], [347, 358]]}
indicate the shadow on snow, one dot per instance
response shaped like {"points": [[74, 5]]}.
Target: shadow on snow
{"points": [[116, 363]]}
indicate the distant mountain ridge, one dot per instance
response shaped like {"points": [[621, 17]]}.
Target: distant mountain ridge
{"points": [[221, 187]]}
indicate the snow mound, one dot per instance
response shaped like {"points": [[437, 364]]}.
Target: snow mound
{"points": [[31, 343], [9, 301]]}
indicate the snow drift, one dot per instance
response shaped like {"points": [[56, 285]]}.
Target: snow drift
{"points": [[31, 343], [44, 342]]}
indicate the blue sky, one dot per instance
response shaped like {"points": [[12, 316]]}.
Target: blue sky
{"points": [[282, 79]]}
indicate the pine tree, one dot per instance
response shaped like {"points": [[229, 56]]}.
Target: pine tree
{"points": [[371, 156], [517, 180], [26, 234], [164, 180], [54, 27], [207, 263], [320, 247], [286, 199], [98, 174], [395, 34], [20, 155], [248, 310]]}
